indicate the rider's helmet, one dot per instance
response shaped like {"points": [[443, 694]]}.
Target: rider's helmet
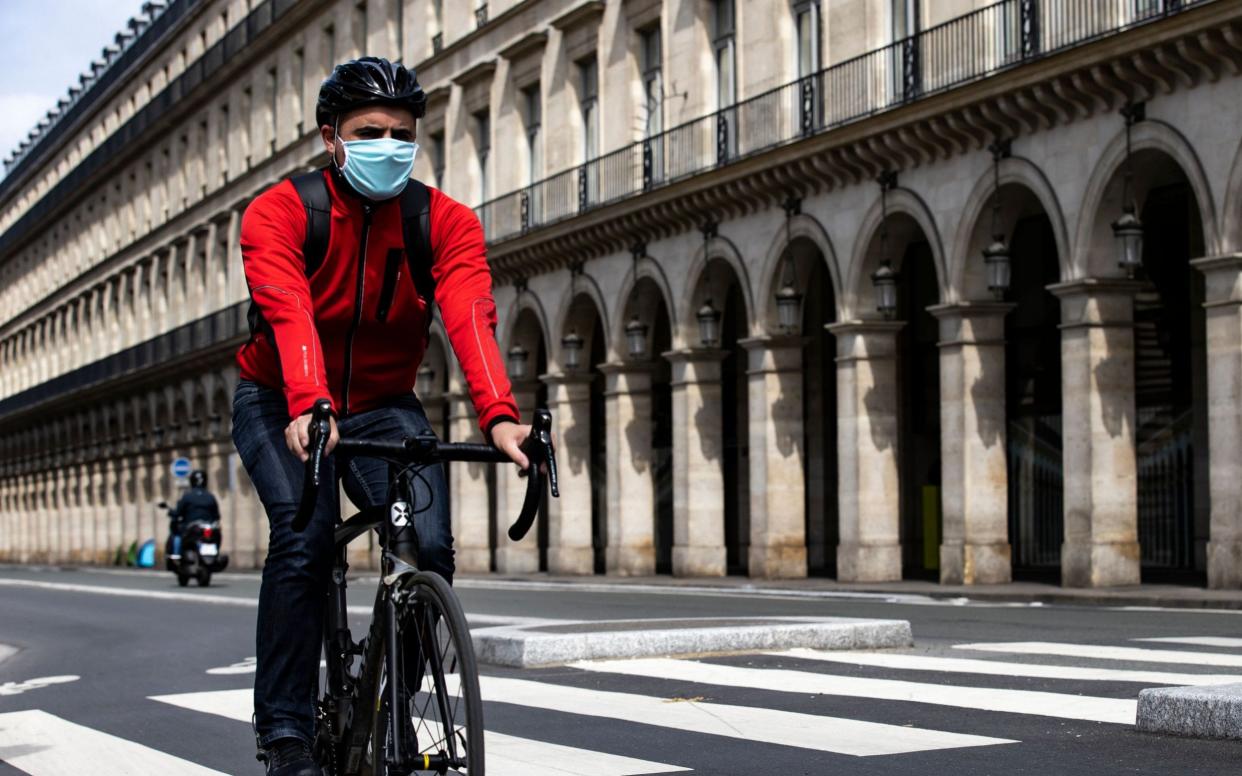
{"points": [[369, 81], [198, 479]]}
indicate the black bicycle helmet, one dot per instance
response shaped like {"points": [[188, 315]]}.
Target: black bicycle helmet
{"points": [[369, 81]]}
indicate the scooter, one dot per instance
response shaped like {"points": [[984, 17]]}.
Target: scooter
{"points": [[196, 552]]}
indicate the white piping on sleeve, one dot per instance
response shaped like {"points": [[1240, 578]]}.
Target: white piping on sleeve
{"points": [[309, 320], [478, 341]]}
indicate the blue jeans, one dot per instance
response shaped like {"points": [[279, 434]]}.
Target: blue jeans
{"points": [[297, 572]]}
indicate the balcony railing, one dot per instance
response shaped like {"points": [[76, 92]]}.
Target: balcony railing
{"points": [[982, 43]]}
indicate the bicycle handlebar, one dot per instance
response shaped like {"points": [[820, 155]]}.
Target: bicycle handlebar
{"points": [[427, 449]]}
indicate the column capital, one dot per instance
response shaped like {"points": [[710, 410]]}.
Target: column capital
{"points": [[695, 355], [774, 354], [1222, 279], [626, 367], [969, 309], [1096, 287], [864, 326], [1097, 303], [696, 366], [566, 378], [863, 340], [971, 323]]}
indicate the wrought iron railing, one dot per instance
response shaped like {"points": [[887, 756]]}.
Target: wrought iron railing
{"points": [[1166, 488], [980, 44], [1036, 491]]}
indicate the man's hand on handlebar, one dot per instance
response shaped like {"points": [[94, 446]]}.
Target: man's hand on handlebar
{"points": [[297, 435], [509, 436]]}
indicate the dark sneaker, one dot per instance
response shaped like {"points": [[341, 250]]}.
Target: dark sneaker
{"points": [[291, 757]]}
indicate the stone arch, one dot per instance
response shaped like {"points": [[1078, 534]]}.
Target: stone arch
{"points": [[865, 258], [1093, 237], [801, 227], [646, 270], [579, 309], [705, 279], [528, 302], [965, 262]]}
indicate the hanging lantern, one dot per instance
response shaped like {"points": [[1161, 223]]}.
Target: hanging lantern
{"points": [[788, 307], [571, 343], [1128, 230], [636, 338], [885, 281], [517, 362], [996, 258], [426, 382], [709, 325]]}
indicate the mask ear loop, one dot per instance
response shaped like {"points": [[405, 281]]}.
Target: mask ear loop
{"points": [[336, 141]]}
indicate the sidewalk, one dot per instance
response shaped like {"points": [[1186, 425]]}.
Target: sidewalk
{"points": [[1154, 595]]}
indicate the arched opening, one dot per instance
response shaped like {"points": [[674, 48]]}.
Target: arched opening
{"points": [[527, 361], [598, 453], [1170, 379], [662, 441], [819, 408]]}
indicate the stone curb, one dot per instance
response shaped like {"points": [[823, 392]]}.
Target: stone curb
{"points": [[1214, 711], [541, 645]]}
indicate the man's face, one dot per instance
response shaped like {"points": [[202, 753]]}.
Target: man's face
{"points": [[369, 123]]}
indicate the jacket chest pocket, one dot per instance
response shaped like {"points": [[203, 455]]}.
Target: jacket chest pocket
{"points": [[392, 275]]}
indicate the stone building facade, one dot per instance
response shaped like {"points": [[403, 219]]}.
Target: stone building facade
{"points": [[696, 210]]}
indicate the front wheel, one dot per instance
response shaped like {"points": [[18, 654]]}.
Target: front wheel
{"points": [[443, 708], [203, 576]]}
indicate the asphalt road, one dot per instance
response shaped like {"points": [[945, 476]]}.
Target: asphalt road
{"points": [[988, 688]]}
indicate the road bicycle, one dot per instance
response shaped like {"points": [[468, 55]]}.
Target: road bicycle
{"points": [[405, 699]]}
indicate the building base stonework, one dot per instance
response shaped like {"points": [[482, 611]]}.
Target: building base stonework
{"points": [[975, 564], [1224, 563], [869, 562], [1100, 564], [698, 561]]}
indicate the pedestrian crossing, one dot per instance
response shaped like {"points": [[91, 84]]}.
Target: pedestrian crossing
{"points": [[641, 716]]}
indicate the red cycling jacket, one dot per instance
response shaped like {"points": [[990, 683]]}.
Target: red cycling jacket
{"points": [[355, 331]]}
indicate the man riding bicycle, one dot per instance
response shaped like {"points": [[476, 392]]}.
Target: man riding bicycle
{"points": [[342, 288]]}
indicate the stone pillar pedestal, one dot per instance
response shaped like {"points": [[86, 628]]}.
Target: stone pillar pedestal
{"points": [[870, 504], [630, 530], [569, 517], [1223, 300], [777, 465], [515, 557], [1101, 473], [468, 486], [973, 469], [698, 476]]}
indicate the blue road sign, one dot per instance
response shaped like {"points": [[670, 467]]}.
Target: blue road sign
{"points": [[181, 468]]}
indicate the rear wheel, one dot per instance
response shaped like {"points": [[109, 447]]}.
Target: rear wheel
{"points": [[183, 579], [203, 576], [443, 709]]}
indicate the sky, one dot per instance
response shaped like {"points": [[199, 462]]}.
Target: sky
{"points": [[47, 44]]}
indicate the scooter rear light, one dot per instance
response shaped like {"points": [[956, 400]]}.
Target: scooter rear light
{"points": [[207, 532]]}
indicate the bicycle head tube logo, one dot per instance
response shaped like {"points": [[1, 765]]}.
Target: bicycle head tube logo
{"points": [[400, 514]]}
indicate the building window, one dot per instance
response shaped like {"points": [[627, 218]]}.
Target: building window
{"points": [[905, 18], [723, 45], [653, 80], [299, 82], [329, 47], [437, 26], [360, 29], [533, 103], [480, 13], [437, 158], [588, 100], [483, 147], [806, 22]]}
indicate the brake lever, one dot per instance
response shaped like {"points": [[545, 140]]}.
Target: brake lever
{"points": [[540, 450], [320, 430]]}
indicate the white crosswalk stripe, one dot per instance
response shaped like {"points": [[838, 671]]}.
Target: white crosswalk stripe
{"points": [[1105, 652], [505, 754], [1046, 704], [1003, 668], [43, 744]]}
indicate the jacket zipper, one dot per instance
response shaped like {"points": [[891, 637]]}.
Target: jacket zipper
{"points": [[359, 297]]}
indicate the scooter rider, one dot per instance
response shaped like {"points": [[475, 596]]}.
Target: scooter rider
{"points": [[197, 503]]}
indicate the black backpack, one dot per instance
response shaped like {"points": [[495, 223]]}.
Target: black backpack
{"points": [[415, 227]]}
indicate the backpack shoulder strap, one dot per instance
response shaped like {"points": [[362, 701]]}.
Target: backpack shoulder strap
{"points": [[416, 228], [313, 190]]}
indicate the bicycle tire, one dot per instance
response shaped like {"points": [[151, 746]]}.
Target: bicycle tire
{"points": [[433, 605]]}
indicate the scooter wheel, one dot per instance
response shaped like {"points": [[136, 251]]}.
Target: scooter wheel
{"points": [[183, 579], [204, 577]]}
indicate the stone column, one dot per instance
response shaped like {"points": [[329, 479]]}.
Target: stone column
{"points": [[515, 557], [698, 476], [867, 436], [249, 520], [569, 517], [1101, 471], [777, 465], [469, 492], [974, 470], [630, 523], [1223, 300]]}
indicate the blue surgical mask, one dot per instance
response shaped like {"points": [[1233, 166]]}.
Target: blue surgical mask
{"points": [[378, 169]]}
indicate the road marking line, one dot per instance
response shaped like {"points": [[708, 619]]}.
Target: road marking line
{"points": [[1045, 704], [999, 668], [1199, 641], [17, 688], [42, 744], [1102, 652], [478, 620], [510, 755]]}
